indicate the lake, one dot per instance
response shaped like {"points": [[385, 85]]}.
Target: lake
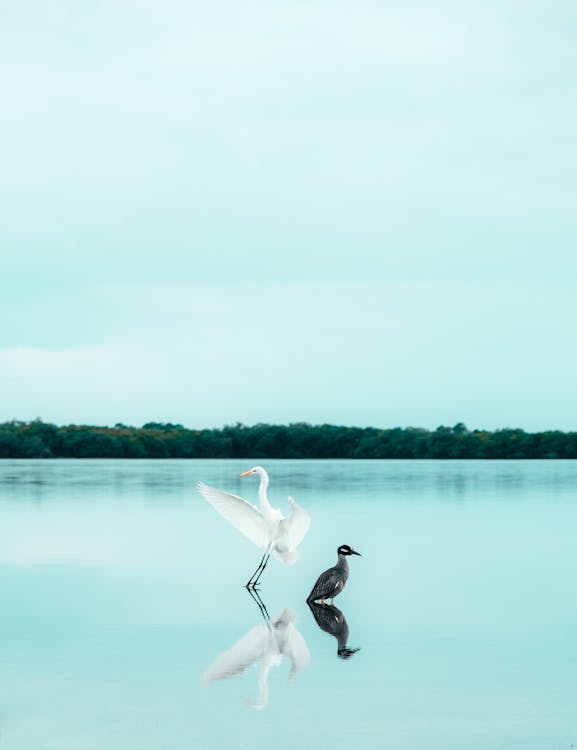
{"points": [[123, 606]]}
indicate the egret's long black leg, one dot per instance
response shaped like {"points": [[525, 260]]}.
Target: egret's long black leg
{"points": [[250, 581], [259, 573], [256, 580]]}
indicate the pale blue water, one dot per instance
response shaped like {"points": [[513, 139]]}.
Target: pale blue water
{"points": [[120, 587]]}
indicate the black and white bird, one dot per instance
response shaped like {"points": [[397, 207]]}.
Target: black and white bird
{"points": [[330, 583]]}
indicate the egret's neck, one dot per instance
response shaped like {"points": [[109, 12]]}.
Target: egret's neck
{"points": [[262, 488], [342, 562]]}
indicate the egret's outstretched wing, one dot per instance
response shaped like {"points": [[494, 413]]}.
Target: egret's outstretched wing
{"points": [[246, 651], [242, 515], [296, 525]]}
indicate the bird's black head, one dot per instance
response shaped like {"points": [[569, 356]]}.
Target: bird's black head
{"points": [[344, 549]]}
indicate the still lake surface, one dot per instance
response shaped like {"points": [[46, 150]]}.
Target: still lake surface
{"points": [[120, 587]]}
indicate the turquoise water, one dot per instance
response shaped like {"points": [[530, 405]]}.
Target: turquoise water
{"points": [[121, 587]]}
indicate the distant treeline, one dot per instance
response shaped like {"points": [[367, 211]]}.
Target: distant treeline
{"points": [[39, 439]]}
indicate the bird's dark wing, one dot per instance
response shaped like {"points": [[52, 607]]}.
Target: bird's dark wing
{"points": [[326, 584]]}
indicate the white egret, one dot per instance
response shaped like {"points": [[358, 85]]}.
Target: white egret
{"points": [[265, 526]]}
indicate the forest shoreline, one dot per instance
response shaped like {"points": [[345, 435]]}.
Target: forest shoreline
{"points": [[39, 439]]}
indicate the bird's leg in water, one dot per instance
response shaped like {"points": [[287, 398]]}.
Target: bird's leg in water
{"points": [[252, 580], [261, 605], [256, 580], [255, 577]]}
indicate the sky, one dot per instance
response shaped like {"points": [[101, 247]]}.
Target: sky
{"points": [[353, 212]]}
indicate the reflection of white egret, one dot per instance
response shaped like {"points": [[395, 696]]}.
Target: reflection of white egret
{"points": [[264, 526], [265, 645]]}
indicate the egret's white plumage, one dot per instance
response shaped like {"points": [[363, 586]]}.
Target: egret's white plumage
{"points": [[242, 515], [265, 526]]}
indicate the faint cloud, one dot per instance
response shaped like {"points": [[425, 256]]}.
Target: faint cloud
{"points": [[420, 353]]}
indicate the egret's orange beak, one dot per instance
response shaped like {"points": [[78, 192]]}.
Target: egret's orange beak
{"points": [[246, 473]]}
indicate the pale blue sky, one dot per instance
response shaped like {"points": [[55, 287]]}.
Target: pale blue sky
{"points": [[349, 211]]}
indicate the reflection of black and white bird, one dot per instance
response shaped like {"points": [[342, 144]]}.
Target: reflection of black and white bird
{"points": [[265, 526], [330, 583], [330, 619]]}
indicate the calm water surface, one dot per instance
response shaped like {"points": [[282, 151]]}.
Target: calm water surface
{"points": [[121, 589]]}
